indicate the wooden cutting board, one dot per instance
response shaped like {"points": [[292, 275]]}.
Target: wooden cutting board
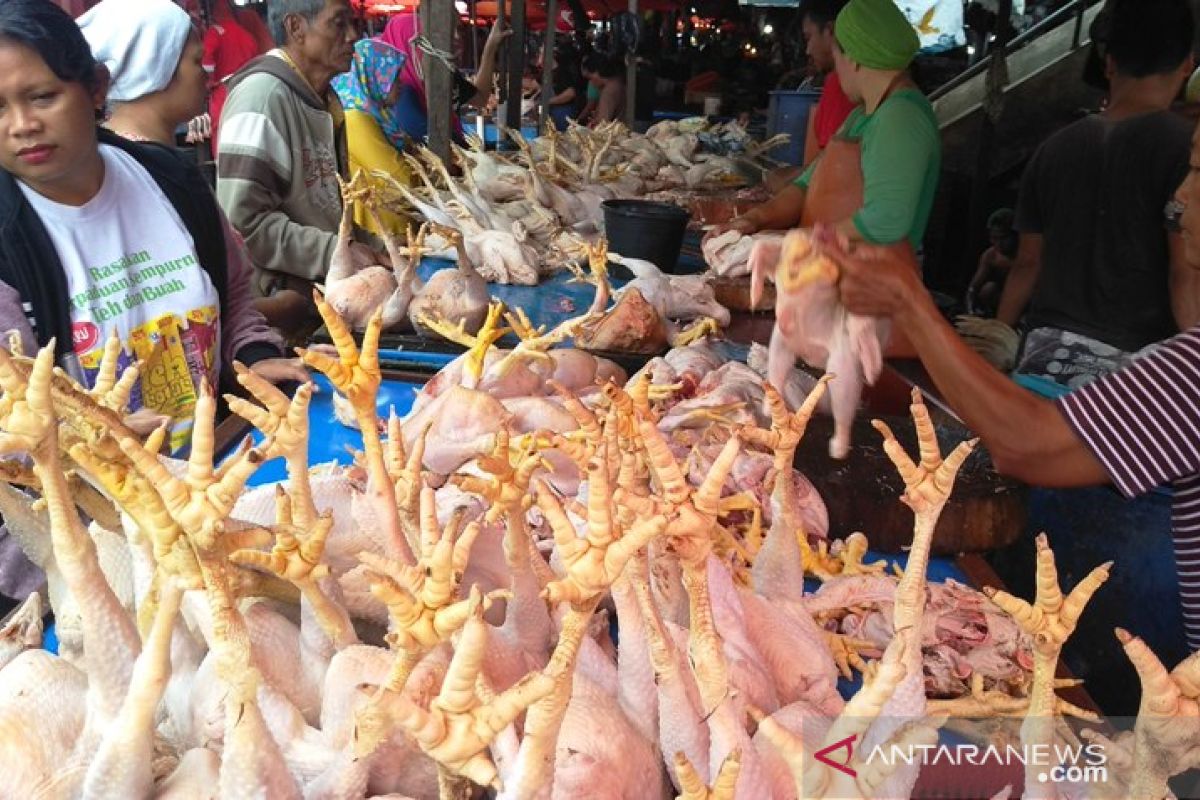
{"points": [[734, 294], [986, 511]]}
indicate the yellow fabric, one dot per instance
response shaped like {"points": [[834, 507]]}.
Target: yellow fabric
{"points": [[370, 151]]}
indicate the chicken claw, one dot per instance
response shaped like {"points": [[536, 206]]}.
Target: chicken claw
{"points": [[594, 562], [355, 373], [507, 490], [1166, 737], [692, 785], [26, 412], [847, 652], [296, 554], [457, 729], [927, 485], [421, 598], [1050, 619]]}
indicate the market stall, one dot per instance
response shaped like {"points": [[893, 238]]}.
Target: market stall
{"points": [[600, 488]]}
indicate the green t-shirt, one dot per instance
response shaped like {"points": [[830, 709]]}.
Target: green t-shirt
{"points": [[593, 92], [901, 161]]}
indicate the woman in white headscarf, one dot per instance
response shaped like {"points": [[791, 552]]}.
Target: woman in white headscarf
{"points": [[153, 53]]}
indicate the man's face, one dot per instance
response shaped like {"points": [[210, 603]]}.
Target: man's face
{"points": [[329, 39], [1189, 195], [818, 44]]}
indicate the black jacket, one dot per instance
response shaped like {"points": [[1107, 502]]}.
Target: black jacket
{"points": [[30, 264]]}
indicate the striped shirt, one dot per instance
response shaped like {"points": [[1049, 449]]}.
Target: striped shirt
{"points": [[1143, 425]]}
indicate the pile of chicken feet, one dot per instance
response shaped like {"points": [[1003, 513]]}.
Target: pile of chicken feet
{"points": [[226, 658]]}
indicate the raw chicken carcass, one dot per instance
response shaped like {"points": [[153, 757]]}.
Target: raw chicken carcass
{"points": [[357, 293], [677, 297], [729, 254], [633, 325], [811, 323], [455, 295]]}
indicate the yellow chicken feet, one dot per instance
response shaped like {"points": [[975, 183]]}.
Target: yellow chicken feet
{"points": [[421, 598], [705, 326], [927, 487], [286, 422], [987, 703], [1049, 620], [853, 558], [457, 729], [787, 429], [692, 785], [847, 652], [507, 488], [477, 345], [1166, 737], [593, 562], [693, 512], [200, 502], [296, 557], [296, 554], [109, 391], [356, 374], [26, 411]]}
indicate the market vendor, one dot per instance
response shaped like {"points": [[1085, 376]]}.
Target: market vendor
{"points": [[412, 107], [104, 235], [280, 151], [877, 177], [1137, 428], [374, 136]]}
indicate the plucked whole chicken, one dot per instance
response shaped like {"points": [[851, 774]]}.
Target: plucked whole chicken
{"points": [[433, 621], [812, 324]]}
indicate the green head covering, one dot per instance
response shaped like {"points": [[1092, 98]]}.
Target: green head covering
{"points": [[875, 34]]}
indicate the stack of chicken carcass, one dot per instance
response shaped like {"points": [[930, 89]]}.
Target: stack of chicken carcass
{"points": [[522, 219], [396, 629]]}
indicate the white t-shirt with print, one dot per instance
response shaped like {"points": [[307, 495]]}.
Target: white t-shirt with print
{"points": [[131, 267]]}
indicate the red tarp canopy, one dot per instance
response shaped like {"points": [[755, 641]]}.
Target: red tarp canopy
{"points": [[535, 10]]}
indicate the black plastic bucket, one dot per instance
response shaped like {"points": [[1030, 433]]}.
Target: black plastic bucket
{"points": [[647, 230]]}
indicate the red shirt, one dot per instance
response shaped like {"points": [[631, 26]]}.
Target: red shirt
{"points": [[227, 46], [832, 110]]}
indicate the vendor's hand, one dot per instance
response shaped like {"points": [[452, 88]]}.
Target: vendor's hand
{"points": [[743, 225], [199, 129], [280, 370], [145, 421], [875, 281]]}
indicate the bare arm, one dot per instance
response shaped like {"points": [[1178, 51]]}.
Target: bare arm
{"points": [[780, 212], [1022, 279], [565, 96], [1026, 435], [485, 75], [1185, 285]]}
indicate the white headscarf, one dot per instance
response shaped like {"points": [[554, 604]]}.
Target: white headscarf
{"points": [[140, 41]]}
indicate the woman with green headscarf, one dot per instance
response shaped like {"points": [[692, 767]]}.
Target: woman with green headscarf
{"points": [[876, 179], [374, 137]]}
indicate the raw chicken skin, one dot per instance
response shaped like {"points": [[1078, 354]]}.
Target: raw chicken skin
{"points": [[811, 323]]}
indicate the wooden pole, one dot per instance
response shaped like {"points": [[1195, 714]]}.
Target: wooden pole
{"points": [[548, 60], [516, 65], [474, 34], [439, 24], [631, 76]]}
